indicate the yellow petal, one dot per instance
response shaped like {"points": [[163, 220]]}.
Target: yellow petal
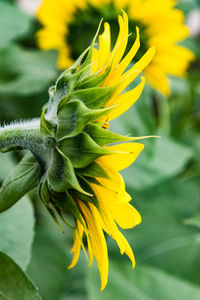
{"points": [[119, 161], [98, 244], [138, 67], [78, 234], [122, 40], [128, 251], [125, 101], [102, 55], [115, 78], [126, 215]]}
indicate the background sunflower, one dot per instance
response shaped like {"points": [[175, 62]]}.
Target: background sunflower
{"points": [[68, 27]]}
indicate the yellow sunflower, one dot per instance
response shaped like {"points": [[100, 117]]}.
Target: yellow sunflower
{"points": [[75, 160], [67, 26]]}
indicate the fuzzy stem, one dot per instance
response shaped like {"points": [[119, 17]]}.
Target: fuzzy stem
{"points": [[26, 135]]}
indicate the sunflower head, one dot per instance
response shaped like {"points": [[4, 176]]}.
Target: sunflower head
{"points": [[78, 158]]}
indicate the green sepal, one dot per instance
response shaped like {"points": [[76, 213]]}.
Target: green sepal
{"points": [[25, 176], [85, 185], [69, 78], [66, 84], [82, 150], [94, 80], [68, 205], [53, 214], [47, 128], [61, 175], [73, 117], [93, 170], [88, 59], [94, 97], [103, 136], [95, 181], [44, 192], [78, 62]]}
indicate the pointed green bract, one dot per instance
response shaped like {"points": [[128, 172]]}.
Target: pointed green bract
{"points": [[93, 170], [74, 116], [47, 128], [94, 97], [82, 150], [103, 136], [61, 175], [95, 80]]}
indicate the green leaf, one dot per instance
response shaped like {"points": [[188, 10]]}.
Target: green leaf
{"points": [[82, 150], [17, 231], [142, 283], [21, 180], [6, 165], [73, 117], [14, 284], [94, 97], [162, 158], [163, 239], [25, 72], [194, 221], [13, 23]]}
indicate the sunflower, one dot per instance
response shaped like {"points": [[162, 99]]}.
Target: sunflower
{"points": [[68, 25], [77, 159]]}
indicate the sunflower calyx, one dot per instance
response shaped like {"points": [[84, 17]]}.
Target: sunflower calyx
{"points": [[63, 144]]}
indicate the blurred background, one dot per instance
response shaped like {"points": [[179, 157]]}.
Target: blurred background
{"points": [[164, 181]]}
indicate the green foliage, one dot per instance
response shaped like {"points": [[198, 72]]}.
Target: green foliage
{"points": [[143, 283], [13, 282], [17, 232], [13, 23], [25, 72], [21, 180]]}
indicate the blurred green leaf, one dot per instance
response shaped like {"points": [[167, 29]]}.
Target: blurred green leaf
{"points": [[142, 283], [161, 158], [13, 23], [163, 239], [14, 285], [16, 232], [24, 72], [194, 221], [6, 165]]}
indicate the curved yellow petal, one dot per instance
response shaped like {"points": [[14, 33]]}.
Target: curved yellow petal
{"points": [[125, 101], [98, 244], [78, 234], [126, 215], [128, 153]]}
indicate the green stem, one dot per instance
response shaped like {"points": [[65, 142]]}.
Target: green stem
{"points": [[26, 135]]}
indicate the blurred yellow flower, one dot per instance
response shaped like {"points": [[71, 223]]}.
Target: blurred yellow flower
{"points": [[161, 25]]}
